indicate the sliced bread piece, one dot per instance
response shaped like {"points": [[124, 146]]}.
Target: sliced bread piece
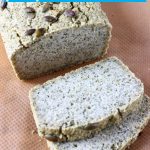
{"points": [[82, 102], [116, 137], [45, 37]]}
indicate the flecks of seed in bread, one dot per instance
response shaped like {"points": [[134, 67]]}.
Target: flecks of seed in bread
{"points": [[29, 32], [50, 19], [52, 138], [75, 145], [46, 7], [78, 22], [69, 13], [3, 5], [113, 147], [89, 107], [72, 123], [40, 32]]}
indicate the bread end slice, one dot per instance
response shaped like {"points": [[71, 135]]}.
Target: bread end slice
{"points": [[117, 137]]}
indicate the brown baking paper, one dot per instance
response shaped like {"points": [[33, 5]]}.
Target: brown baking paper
{"points": [[130, 42]]}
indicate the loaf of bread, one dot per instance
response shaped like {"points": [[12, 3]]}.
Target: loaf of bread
{"points": [[116, 137], [44, 37], [83, 102]]}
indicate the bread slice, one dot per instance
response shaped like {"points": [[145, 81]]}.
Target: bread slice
{"points": [[39, 42], [116, 137], [84, 101]]}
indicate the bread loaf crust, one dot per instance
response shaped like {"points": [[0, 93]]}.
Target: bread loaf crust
{"points": [[56, 40]]}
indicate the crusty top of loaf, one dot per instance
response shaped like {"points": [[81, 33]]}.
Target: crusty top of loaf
{"points": [[15, 21], [87, 95], [116, 137]]}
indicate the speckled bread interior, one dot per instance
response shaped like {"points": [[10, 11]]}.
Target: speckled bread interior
{"points": [[42, 42], [116, 137], [84, 101]]}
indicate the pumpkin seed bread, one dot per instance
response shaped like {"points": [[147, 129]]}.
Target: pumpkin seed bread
{"points": [[83, 102], [116, 137], [44, 37]]}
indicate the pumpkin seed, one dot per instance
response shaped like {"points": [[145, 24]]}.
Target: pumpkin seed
{"points": [[29, 10], [70, 13], [50, 19], [52, 138], [3, 5], [40, 32], [29, 32]]}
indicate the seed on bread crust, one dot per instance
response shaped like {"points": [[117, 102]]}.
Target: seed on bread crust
{"points": [[40, 32], [50, 19], [29, 32], [29, 10], [3, 5], [52, 138]]}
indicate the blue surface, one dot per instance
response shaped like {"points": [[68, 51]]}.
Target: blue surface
{"points": [[77, 1]]}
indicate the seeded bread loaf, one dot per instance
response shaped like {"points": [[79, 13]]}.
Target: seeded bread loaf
{"points": [[45, 37], [84, 101], [116, 137]]}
